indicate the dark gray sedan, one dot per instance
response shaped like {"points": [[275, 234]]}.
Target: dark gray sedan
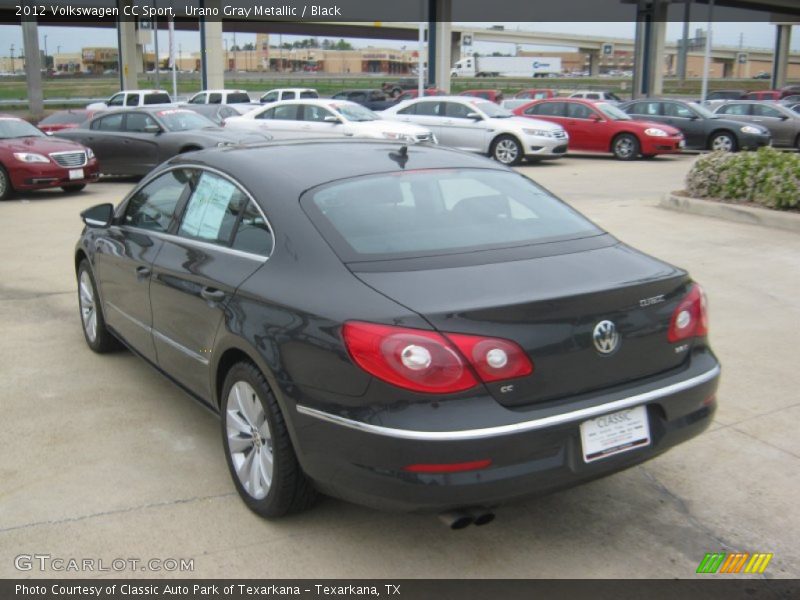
{"points": [[702, 129], [133, 142], [782, 121]]}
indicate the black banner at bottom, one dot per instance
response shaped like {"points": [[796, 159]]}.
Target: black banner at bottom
{"points": [[405, 589]]}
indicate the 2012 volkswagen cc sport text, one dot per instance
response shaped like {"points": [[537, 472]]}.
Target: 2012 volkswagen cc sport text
{"points": [[410, 328]]}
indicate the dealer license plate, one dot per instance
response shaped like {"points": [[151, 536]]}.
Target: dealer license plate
{"points": [[76, 173], [614, 433]]}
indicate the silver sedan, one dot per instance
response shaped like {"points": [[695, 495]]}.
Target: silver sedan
{"points": [[480, 126], [782, 122]]}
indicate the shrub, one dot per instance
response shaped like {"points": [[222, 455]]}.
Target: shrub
{"points": [[767, 177]]}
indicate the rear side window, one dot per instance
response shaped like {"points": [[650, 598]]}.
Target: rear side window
{"points": [[643, 108], [281, 113], [673, 109], [430, 109], [421, 213], [253, 234], [288, 96], [157, 99], [734, 109], [309, 95], [213, 210], [549, 109], [153, 206], [132, 100], [110, 123], [215, 98], [238, 98]]}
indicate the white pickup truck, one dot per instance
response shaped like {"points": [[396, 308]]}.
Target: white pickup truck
{"points": [[132, 99]]}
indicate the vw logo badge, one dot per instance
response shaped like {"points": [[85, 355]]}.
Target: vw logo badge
{"points": [[605, 337]]}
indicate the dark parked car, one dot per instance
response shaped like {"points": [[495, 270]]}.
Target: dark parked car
{"points": [[702, 129], [133, 142], [412, 328], [716, 95], [394, 88], [371, 99], [32, 160]]}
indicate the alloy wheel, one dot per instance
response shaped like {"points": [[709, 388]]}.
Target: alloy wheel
{"points": [[506, 151], [722, 142], [88, 306], [249, 440], [624, 147]]}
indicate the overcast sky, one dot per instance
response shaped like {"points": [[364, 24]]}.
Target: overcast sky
{"points": [[757, 35]]}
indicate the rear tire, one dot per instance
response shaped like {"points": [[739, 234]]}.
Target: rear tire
{"points": [[6, 189], [625, 147], [70, 189], [723, 140], [507, 150], [97, 335], [258, 449]]}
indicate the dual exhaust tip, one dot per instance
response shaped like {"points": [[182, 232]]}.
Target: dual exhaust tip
{"points": [[459, 519]]}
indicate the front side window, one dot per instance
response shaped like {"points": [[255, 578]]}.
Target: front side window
{"points": [[153, 206], [312, 112], [213, 210], [579, 111], [270, 97], [404, 215], [116, 100], [198, 99], [761, 110], [138, 122]]}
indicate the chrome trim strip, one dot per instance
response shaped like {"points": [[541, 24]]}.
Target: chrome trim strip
{"points": [[487, 432], [177, 239], [161, 336], [181, 348]]}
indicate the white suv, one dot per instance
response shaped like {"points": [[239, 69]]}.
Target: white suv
{"points": [[279, 94], [133, 99]]}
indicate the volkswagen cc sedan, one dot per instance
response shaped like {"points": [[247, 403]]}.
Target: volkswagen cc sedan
{"points": [[411, 328]]}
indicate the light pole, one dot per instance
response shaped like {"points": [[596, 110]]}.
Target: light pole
{"points": [[46, 62], [12, 59], [227, 60]]}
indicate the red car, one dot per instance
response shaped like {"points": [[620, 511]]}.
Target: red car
{"points": [[31, 160], [537, 94], [495, 96], [602, 127], [65, 119]]}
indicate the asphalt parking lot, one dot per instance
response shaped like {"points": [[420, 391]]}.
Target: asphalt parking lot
{"points": [[103, 458]]}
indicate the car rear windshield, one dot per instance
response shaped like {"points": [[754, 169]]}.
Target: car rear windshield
{"points": [[65, 118], [438, 211], [238, 98], [157, 99]]}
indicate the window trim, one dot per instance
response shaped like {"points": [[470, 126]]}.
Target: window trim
{"points": [[172, 235]]}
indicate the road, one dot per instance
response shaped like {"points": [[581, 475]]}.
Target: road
{"points": [[103, 458]]}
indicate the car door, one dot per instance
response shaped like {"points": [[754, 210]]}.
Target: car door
{"points": [[125, 254], [783, 129], [463, 132], [554, 112], [314, 124], [587, 128], [105, 139], [429, 114], [281, 121], [220, 240], [139, 147], [689, 122]]}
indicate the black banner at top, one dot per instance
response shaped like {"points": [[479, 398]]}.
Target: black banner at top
{"points": [[385, 11]]}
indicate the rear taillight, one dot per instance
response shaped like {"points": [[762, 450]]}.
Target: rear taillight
{"points": [[427, 361], [690, 319]]}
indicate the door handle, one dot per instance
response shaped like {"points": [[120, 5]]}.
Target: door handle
{"points": [[142, 273], [212, 294]]}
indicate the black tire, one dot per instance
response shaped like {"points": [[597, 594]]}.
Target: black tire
{"points": [[507, 150], [723, 140], [648, 156], [797, 143], [6, 189], [103, 340], [625, 147], [69, 189], [289, 491]]}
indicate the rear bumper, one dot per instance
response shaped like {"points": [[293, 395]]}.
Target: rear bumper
{"points": [[532, 452]]}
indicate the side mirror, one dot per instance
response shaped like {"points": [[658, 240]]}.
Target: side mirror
{"points": [[693, 118], [99, 216], [597, 119], [475, 116], [152, 129], [332, 119]]}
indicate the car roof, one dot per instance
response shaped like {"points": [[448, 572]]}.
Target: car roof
{"points": [[289, 89], [221, 92], [264, 166]]}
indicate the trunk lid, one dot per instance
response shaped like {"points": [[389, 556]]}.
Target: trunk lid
{"points": [[550, 306]]}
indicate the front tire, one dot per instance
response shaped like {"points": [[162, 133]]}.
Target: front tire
{"points": [[507, 150], [258, 450], [723, 140], [97, 335], [69, 189], [625, 147], [6, 189]]}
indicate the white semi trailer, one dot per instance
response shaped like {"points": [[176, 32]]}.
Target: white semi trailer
{"points": [[506, 66]]}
